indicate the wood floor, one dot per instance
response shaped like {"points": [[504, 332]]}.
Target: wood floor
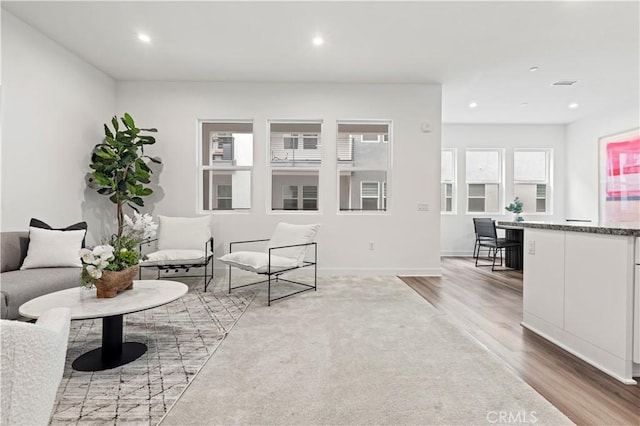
{"points": [[489, 306]]}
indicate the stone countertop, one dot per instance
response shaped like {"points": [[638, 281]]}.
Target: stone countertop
{"points": [[622, 229]]}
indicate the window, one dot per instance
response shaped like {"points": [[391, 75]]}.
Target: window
{"points": [[295, 164], [224, 197], [290, 142], [363, 165], [484, 177], [447, 179], [226, 151], [309, 142], [290, 197], [295, 144], [309, 197], [370, 194], [531, 179], [293, 190]]}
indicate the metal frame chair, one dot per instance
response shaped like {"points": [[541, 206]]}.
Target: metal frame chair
{"points": [[186, 265], [476, 246], [488, 237], [275, 275]]}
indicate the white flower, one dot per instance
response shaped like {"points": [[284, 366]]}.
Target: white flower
{"points": [[94, 272], [101, 264], [104, 252], [87, 255], [141, 227]]}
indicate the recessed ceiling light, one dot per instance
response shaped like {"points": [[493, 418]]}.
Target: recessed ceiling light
{"points": [[318, 41], [473, 104], [573, 105], [144, 38], [524, 104], [534, 69]]}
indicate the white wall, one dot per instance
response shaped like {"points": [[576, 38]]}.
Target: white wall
{"points": [[53, 107], [406, 241], [457, 229], [582, 157]]}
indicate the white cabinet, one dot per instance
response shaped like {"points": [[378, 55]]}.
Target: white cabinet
{"points": [[579, 293], [543, 290]]}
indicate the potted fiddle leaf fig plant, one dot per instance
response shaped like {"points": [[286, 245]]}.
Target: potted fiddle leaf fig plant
{"points": [[120, 171]]}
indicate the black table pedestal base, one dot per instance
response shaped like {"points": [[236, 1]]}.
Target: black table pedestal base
{"points": [[93, 360], [113, 352]]}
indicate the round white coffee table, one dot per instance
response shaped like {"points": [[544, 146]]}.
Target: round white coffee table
{"points": [[84, 304]]}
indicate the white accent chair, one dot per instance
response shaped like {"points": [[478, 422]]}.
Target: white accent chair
{"points": [[286, 250], [33, 358], [183, 243]]}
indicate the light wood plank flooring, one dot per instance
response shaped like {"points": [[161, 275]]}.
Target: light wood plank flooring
{"points": [[489, 306]]}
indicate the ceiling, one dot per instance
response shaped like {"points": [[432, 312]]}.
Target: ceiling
{"points": [[479, 51]]}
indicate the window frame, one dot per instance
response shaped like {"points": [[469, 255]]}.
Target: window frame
{"points": [[499, 182], [452, 182], [200, 207], [385, 203], [547, 181], [313, 167]]}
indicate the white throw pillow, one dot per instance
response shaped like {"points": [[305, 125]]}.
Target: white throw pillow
{"points": [[258, 262], [175, 257], [53, 249], [287, 234], [187, 233]]}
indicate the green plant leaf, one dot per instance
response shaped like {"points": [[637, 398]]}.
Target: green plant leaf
{"points": [[114, 123], [138, 201], [105, 191], [102, 179], [128, 121], [107, 132]]}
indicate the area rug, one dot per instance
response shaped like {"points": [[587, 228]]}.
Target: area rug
{"points": [[357, 351], [180, 337]]}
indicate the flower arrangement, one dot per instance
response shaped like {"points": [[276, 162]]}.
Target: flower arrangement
{"points": [[119, 252]]}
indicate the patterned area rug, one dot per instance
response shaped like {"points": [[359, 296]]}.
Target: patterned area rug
{"points": [[180, 337]]}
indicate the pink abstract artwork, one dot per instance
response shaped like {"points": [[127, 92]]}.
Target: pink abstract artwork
{"points": [[621, 155]]}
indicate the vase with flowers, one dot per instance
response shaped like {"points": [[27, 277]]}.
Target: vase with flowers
{"points": [[516, 208], [121, 171], [111, 266]]}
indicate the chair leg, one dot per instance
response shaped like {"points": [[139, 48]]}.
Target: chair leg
{"points": [[205, 277], [493, 265], [229, 279], [269, 292]]}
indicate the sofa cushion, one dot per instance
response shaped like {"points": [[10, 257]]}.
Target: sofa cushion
{"points": [[19, 287], [37, 223], [259, 262], [53, 248], [175, 257], [184, 233]]}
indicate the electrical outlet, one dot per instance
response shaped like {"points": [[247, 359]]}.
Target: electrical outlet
{"points": [[532, 247], [372, 246], [423, 207]]}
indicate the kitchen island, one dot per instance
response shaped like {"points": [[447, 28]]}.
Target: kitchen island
{"points": [[581, 291]]}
